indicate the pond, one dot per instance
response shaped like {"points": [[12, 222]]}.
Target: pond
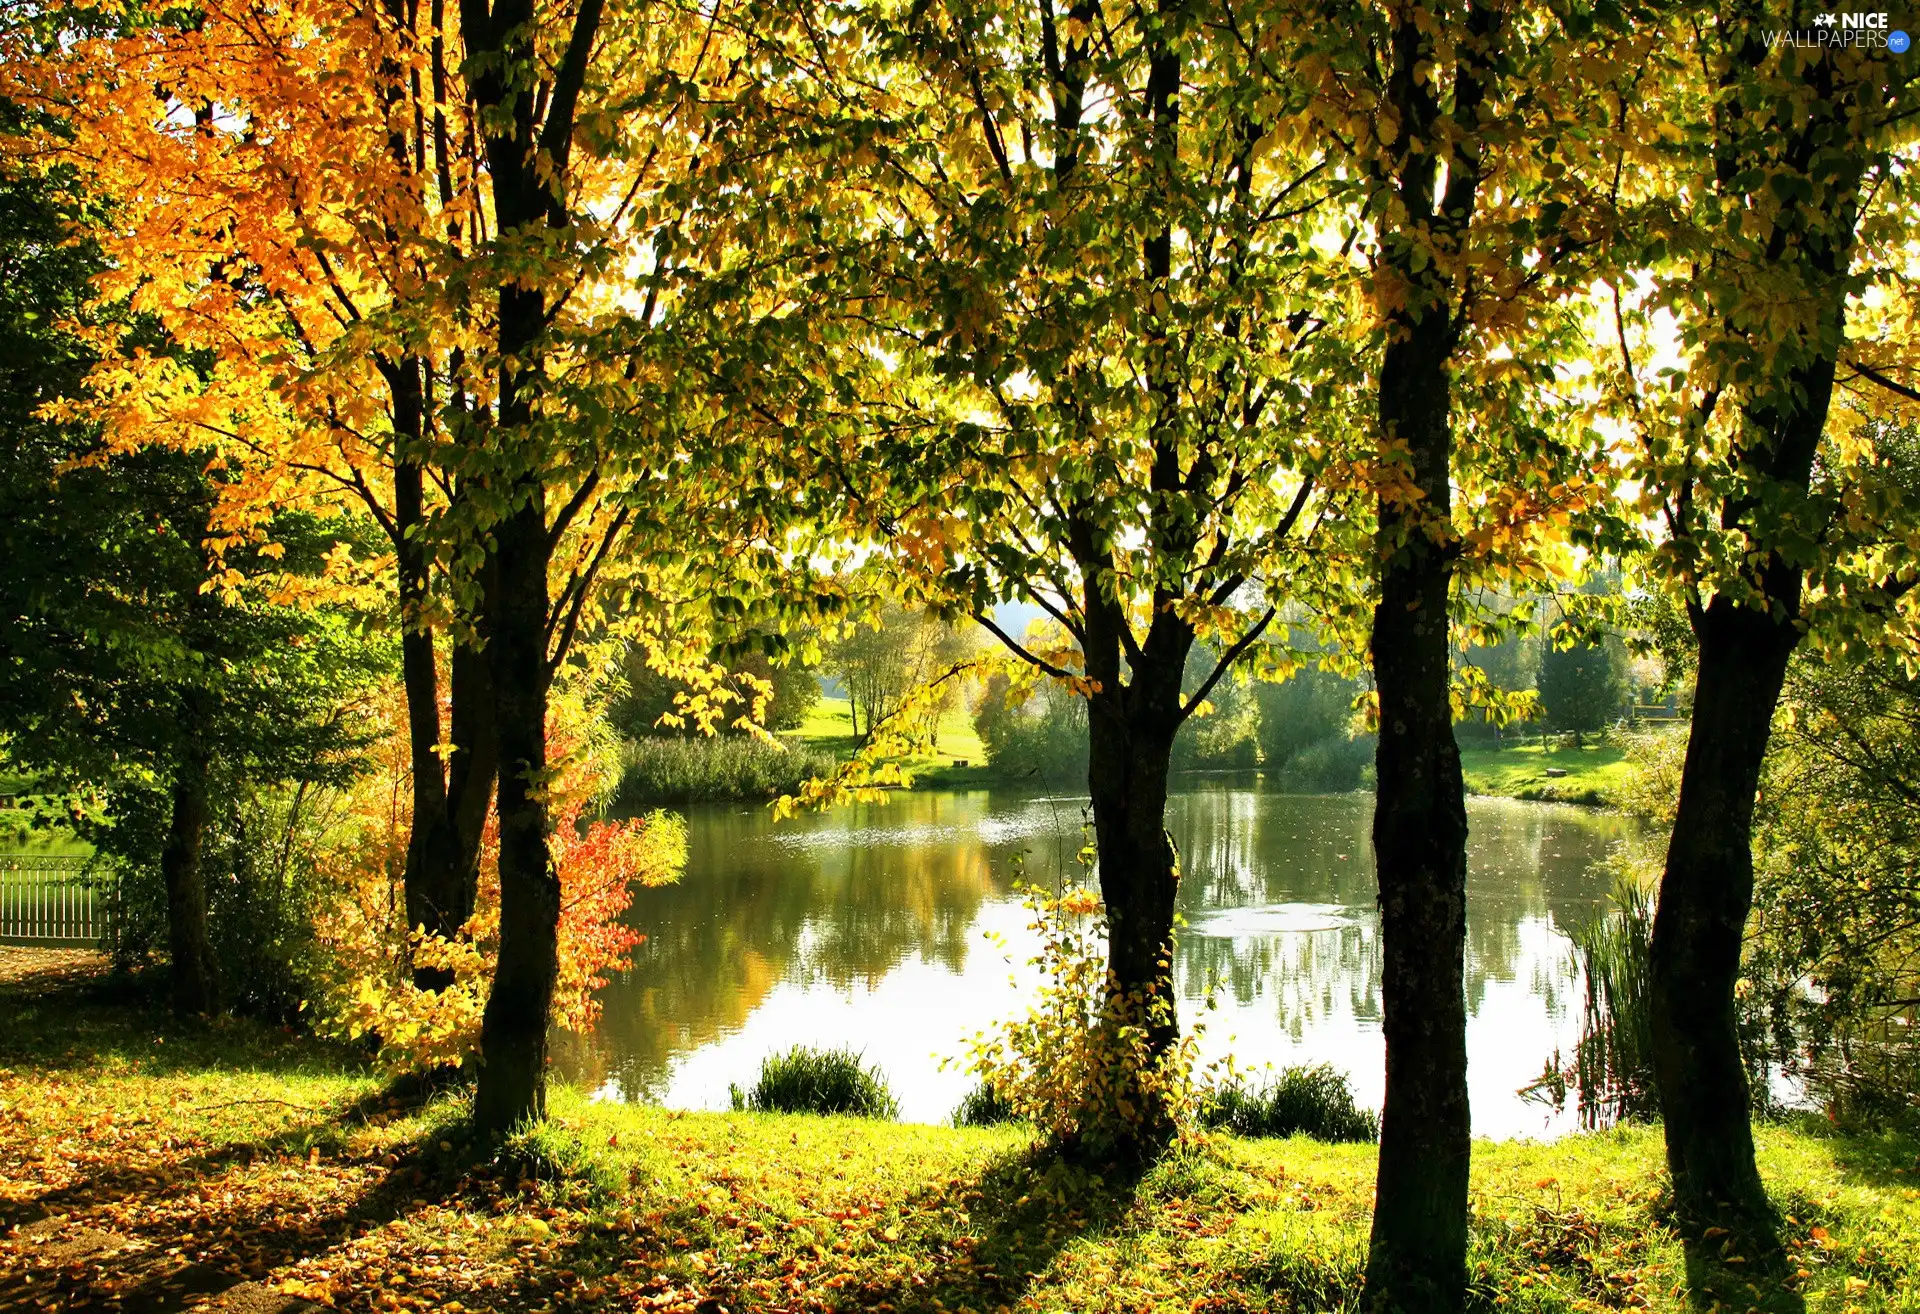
{"points": [[894, 928]]}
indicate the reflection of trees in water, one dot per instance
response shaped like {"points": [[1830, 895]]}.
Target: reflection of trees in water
{"points": [[759, 905], [1530, 869], [1310, 976], [841, 900]]}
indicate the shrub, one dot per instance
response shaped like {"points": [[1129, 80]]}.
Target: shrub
{"points": [[806, 1080], [1305, 1101], [364, 991], [709, 769], [1333, 765], [264, 882], [1080, 1066], [984, 1106]]}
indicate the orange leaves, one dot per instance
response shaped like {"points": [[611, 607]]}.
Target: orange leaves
{"points": [[281, 207], [365, 988], [599, 864]]}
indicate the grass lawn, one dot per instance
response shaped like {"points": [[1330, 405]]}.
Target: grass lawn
{"points": [[31, 822], [173, 1161], [829, 728], [1591, 772]]}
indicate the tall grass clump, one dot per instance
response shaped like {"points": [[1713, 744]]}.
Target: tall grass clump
{"points": [[1611, 1074], [984, 1106], [1311, 1101], [806, 1080], [706, 769], [1613, 1064]]}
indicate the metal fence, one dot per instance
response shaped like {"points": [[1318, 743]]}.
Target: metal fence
{"points": [[49, 901]]}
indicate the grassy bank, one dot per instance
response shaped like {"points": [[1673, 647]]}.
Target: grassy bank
{"points": [[1591, 773], [694, 769], [958, 759], [214, 1155]]}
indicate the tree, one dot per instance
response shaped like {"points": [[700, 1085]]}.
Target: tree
{"points": [[881, 665], [529, 153], [320, 197], [1778, 194], [123, 668], [293, 188], [1581, 687], [1461, 120], [607, 135], [1064, 358]]}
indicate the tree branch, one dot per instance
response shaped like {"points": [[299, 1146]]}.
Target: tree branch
{"points": [[1226, 662]]}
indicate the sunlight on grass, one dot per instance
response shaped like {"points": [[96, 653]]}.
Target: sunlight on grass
{"points": [[1592, 773], [247, 1147]]}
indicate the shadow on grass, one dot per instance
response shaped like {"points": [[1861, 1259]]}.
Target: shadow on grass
{"points": [[243, 1212], [978, 1241], [1736, 1260], [1720, 1276], [1886, 1156], [76, 1021], [128, 1185]]}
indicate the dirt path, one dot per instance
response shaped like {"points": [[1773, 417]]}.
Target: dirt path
{"points": [[58, 1264], [35, 967]]}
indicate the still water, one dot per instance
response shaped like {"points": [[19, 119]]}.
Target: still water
{"points": [[893, 928]]}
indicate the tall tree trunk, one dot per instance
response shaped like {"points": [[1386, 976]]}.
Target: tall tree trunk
{"points": [[1127, 764], [528, 160], [513, 1030], [1417, 1254], [513, 1036], [1706, 891], [1705, 895], [430, 882], [473, 772], [195, 990], [1132, 717]]}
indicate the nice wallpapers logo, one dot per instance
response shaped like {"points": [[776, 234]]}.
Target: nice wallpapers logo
{"points": [[1863, 31]]}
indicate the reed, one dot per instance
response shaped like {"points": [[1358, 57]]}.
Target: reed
{"points": [[723, 767], [1612, 1070]]}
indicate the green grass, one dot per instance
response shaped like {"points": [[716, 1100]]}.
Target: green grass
{"points": [[247, 1150], [828, 725], [828, 728], [1592, 773]]}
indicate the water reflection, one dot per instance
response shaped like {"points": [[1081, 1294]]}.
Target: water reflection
{"points": [[870, 926]]}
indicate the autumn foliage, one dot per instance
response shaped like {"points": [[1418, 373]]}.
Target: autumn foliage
{"points": [[367, 992]]}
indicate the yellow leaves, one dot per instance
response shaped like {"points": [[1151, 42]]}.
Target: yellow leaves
{"points": [[1079, 901], [303, 1289]]}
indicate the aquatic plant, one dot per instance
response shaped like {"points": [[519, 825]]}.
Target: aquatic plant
{"points": [[1611, 1073], [984, 1106], [698, 770], [804, 1080], [1313, 1101]]}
